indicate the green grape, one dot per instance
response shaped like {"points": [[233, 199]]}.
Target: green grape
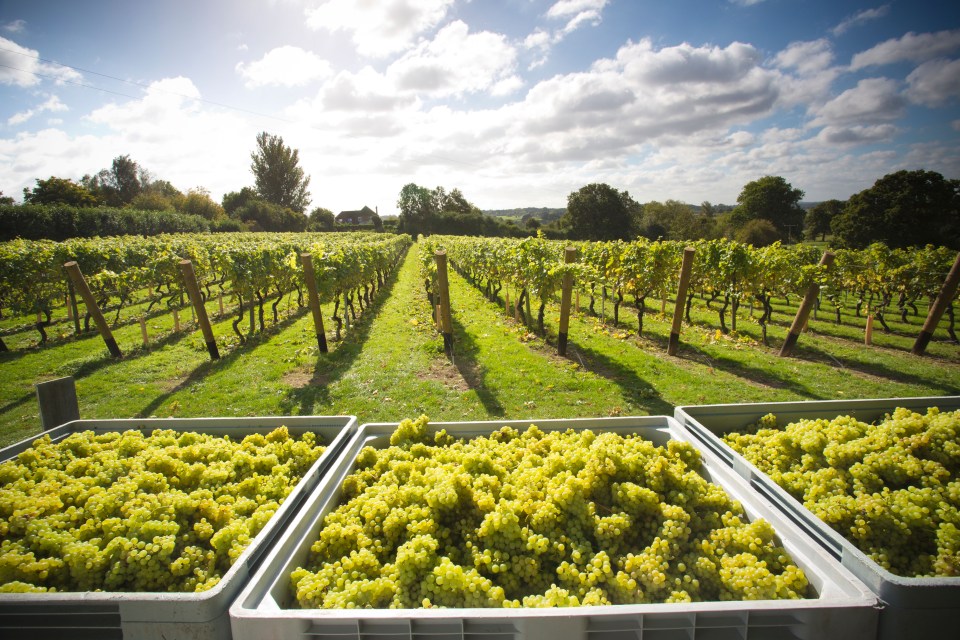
{"points": [[130, 511], [892, 489], [536, 519]]}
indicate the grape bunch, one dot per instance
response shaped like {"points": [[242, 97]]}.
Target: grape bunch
{"points": [[892, 489], [165, 511], [536, 519]]}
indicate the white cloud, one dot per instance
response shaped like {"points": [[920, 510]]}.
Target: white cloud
{"points": [[859, 18], [934, 83], [379, 28], [22, 67], [859, 134], [52, 104], [16, 26], [576, 13], [455, 63], [285, 66], [872, 101], [809, 73], [912, 46]]}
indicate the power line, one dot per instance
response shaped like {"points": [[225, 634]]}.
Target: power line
{"points": [[131, 82]]}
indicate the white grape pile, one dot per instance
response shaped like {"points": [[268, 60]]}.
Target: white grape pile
{"points": [[892, 489], [165, 511], [536, 519]]}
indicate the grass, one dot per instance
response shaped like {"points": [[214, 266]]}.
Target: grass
{"points": [[391, 364]]}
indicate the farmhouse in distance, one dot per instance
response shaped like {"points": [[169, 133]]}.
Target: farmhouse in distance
{"points": [[363, 216]]}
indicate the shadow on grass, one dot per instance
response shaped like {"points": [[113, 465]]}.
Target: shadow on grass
{"points": [[225, 361], [812, 353], [465, 352], [330, 367], [636, 389]]}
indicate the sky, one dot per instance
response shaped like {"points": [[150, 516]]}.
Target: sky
{"points": [[516, 103]]}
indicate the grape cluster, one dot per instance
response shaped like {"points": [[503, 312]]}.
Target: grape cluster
{"points": [[165, 511], [892, 489], [536, 519]]}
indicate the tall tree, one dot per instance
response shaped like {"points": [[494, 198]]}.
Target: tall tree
{"points": [[120, 184], [418, 210], [600, 212], [818, 219], [279, 179], [771, 198], [902, 209], [55, 190]]}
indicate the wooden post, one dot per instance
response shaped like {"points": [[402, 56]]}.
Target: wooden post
{"points": [[346, 313], [72, 293], [176, 320], [76, 276], [686, 266], [529, 312], [143, 331], [569, 257], [506, 302], [199, 309], [868, 331], [220, 300], [58, 402], [803, 313], [939, 305], [446, 321], [310, 278], [69, 309]]}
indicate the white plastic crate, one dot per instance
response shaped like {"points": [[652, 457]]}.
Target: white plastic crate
{"points": [[843, 607], [912, 607], [160, 615]]}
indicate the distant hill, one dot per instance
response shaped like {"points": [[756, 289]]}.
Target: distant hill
{"points": [[544, 214]]}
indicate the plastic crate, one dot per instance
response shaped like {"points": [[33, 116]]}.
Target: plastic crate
{"points": [[160, 615], [912, 607], [843, 607]]}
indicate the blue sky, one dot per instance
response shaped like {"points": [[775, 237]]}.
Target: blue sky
{"points": [[517, 103]]}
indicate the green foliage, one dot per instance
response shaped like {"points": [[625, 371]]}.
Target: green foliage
{"points": [[902, 209], [818, 219], [260, 215], [59, 222], [758, 232], [674, 220], [425, 211], [120, 184], [771, 198], [197, 202], [278, 178], [600, 212], [55, 190], [322, 219]]}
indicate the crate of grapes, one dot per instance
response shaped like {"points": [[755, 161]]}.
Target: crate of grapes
{"points": [[149, 528], [875, 482], [611, 529]]}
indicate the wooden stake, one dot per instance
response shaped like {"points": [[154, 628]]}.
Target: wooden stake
{"points": [[76, 277], [506, 302], [143, 331], [310, 278], [69, 309], [939, 305], [446, 321], [176, 321], [71, 292], [686, 266], [868, 331], [803, 313], [220, 300], [198, 308], [569, 257]]}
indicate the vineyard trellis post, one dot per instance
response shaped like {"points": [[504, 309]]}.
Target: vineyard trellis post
{"points": [[309, 277], [200, 310], [76, 277], [446, 322], [939, 305], [686, 266], [803, 313], [569, 257], [72, 295]]}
